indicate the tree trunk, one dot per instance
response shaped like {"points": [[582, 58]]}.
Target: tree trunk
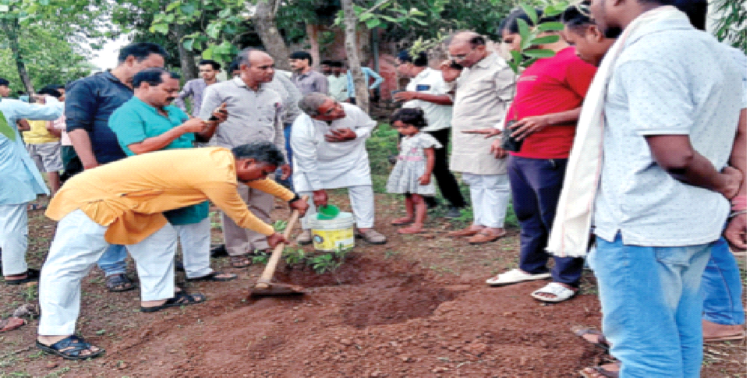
{"points": [[265, 25], [11, 30], [187, 58], [312, 32], [350, 33]]}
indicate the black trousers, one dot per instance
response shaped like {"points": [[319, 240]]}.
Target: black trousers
{"points": [[71, 163], [536, 185], [444, 177]]}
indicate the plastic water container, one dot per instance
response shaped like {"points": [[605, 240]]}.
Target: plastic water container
{"points": [[333, 234]]}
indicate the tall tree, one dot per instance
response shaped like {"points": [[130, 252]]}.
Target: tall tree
{"points": [[265, 26], [73, 20], [52, 59], [137, 16], [352, 55], [223, 27]]}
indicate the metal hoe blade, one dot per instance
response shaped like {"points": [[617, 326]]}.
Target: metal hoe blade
{"points": [[275, 289]]}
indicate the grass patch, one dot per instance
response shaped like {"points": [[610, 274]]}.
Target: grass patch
{"points": [[382, 144]]}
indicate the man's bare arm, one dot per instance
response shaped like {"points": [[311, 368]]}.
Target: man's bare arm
{"points": [[738, 159], [736, 231], [82, 144], [675, 154]]}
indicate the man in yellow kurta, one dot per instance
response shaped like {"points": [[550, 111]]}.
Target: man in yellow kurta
{"points": [[122, 203]]}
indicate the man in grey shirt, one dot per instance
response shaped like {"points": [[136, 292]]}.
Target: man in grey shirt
{"points": [[255, 114], [669, 118], [305, 78], [195, 88], [290, 98]]}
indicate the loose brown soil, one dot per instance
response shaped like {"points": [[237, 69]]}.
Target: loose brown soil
{"points": [[415, 307]]}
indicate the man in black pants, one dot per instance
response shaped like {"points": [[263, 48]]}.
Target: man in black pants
{"points": [[428, 90]]}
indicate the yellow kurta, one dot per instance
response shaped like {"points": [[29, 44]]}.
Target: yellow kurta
{"points": [[129, 195]]}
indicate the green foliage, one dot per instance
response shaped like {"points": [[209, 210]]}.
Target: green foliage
{"points": [[384, 13], [532, 35], [213, 27], [294, 256], [319, 263], [48, 58], [323, 263], [280, 225], [732, 23], [443, 16], [30, 293], [43, 31], [260, 258]]}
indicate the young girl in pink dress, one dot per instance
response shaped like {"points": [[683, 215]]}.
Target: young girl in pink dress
{"points": [[412, 175]]}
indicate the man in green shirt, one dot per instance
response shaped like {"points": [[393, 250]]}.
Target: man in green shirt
{"points": [[147, 123]]}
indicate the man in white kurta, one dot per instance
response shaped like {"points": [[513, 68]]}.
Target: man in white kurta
{"points": [[328, 143], [483, 92]]}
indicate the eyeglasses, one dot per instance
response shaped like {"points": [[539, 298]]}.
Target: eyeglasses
{"points": [[462, 56]]}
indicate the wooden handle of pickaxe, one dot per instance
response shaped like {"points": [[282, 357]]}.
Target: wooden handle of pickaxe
{"points": [[265, 278]]}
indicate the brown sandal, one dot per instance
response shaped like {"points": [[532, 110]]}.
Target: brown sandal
{"points": [[600, 371], [601, 340], [402, 221], [11, 323], [240, 261], [468, 231], [486, 236]]}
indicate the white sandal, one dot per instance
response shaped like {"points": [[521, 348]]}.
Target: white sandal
{"points": [[515, 276], [559, 290]]}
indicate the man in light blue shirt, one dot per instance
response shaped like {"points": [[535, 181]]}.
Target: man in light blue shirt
{"points": [[20, 184], [670, 118], [369, 74]]}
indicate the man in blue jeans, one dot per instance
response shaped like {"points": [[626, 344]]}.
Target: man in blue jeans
{"points": [[668, 125], [89, 103], [721, 284]]}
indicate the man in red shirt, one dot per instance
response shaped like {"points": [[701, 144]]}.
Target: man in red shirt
{"points": [[545, 110]]}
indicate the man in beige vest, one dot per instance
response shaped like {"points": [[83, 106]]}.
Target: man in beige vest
{"points": [[484, 91]]}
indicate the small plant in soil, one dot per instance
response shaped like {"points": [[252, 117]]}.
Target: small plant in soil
{"points": [[323, 263], [280, 225], [30, 293], [328, 262], [260, 258], [294, 257]]}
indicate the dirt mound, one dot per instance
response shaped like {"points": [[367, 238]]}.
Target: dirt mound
{"points": [[390, 293], [369, 319]]}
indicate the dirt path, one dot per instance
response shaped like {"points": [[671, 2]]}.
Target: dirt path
{"points": [[416, 307]]}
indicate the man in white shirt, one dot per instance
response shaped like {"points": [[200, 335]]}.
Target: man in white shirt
{"points": [[668, 127], [484, 91], [337, 82], [427, 90], [328, 143]]}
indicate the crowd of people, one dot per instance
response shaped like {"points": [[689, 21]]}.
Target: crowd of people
{"points": [[625, 148]]}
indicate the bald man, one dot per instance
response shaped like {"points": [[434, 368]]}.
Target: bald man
{"points": [[483, 92], [255, 114]]}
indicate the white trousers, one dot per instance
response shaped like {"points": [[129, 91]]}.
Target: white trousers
{"points": [[195, 240], [362, 200], [14, 238], [78, 244], [490, 195]]}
